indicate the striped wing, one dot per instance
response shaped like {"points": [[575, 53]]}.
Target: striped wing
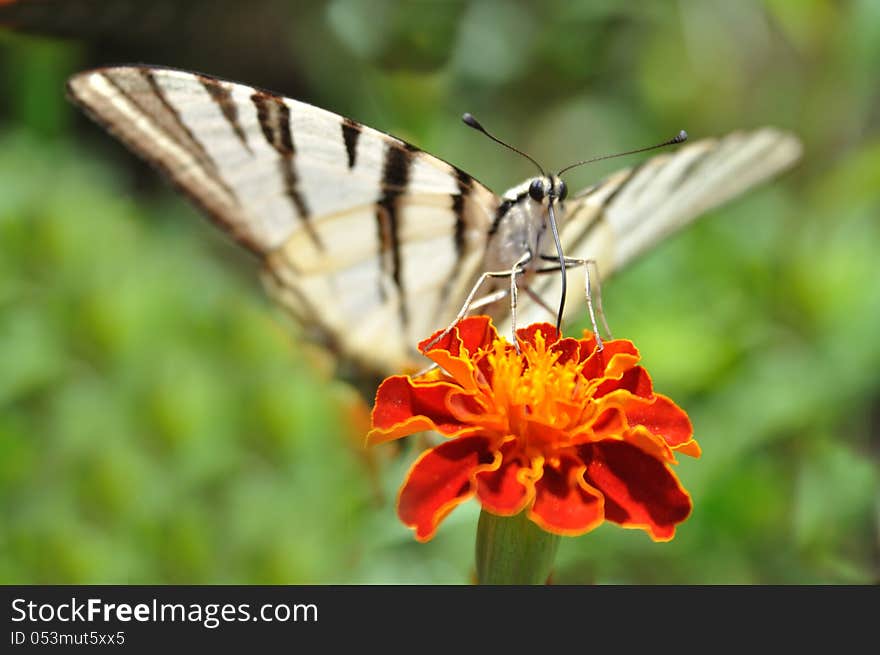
{"points": [[619, 218], [371, 243]]}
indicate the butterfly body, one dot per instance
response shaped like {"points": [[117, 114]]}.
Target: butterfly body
{"points": [[521, 226], [373, 244]]}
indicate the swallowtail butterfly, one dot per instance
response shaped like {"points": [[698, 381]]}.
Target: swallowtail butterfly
{"points": [[373, 244]]}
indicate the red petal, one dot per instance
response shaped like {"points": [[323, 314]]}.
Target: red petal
{"points": [[503, 491], [609, 423], [470, 334], [587, 345], [640, 491], [569, 350], [403, 407], [636, 380], [476, 332], [615, 358], [528, 334], [662, 417], [563, 503], [440, 480]]}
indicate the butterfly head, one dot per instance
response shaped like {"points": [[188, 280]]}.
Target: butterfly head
{"points": [[550, 188]]}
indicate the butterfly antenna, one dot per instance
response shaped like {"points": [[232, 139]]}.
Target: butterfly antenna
{"points": [[681, 137], [470, 121]]}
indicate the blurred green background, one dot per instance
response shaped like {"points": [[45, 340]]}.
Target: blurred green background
{"points": [[162, 422]]}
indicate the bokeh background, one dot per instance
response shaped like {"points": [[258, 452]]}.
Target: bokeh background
{"points": [[162, 422]]}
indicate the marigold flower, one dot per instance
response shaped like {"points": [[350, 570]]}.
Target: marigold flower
{"points": [[571, 434]]}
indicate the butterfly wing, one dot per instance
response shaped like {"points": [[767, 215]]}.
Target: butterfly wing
{"points": [[369, 242], [619, 218]]}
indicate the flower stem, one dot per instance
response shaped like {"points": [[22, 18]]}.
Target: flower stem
{"points": [[513, 550]]}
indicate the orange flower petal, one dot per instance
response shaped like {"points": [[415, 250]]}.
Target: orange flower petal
{"points": [[650, 444], [404, 407], [467, 408], [454, 353], [459, 369], [440, 480], [538, 432], [563, 504], [640, 491], [690, 448]]}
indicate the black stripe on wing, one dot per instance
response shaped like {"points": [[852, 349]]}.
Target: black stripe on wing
{"points": [[395, 179], [465, 183], [351, 131], [273, 115], [221, 94]]}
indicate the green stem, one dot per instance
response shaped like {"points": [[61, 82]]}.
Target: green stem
{"points": [[513, 550]]}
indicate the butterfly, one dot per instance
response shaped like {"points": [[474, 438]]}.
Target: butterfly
{"points": [[373, 244]]}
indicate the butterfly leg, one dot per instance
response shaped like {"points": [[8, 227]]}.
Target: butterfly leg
{"points": [[592, 310], [488, 300], [515, 270], [470, 303]]}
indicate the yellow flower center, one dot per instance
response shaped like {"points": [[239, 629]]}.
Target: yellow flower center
{"points": [[533, 390]]}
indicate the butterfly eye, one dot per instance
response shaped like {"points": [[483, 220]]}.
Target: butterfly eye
{"points": [[563, 190], [536, 190]]}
